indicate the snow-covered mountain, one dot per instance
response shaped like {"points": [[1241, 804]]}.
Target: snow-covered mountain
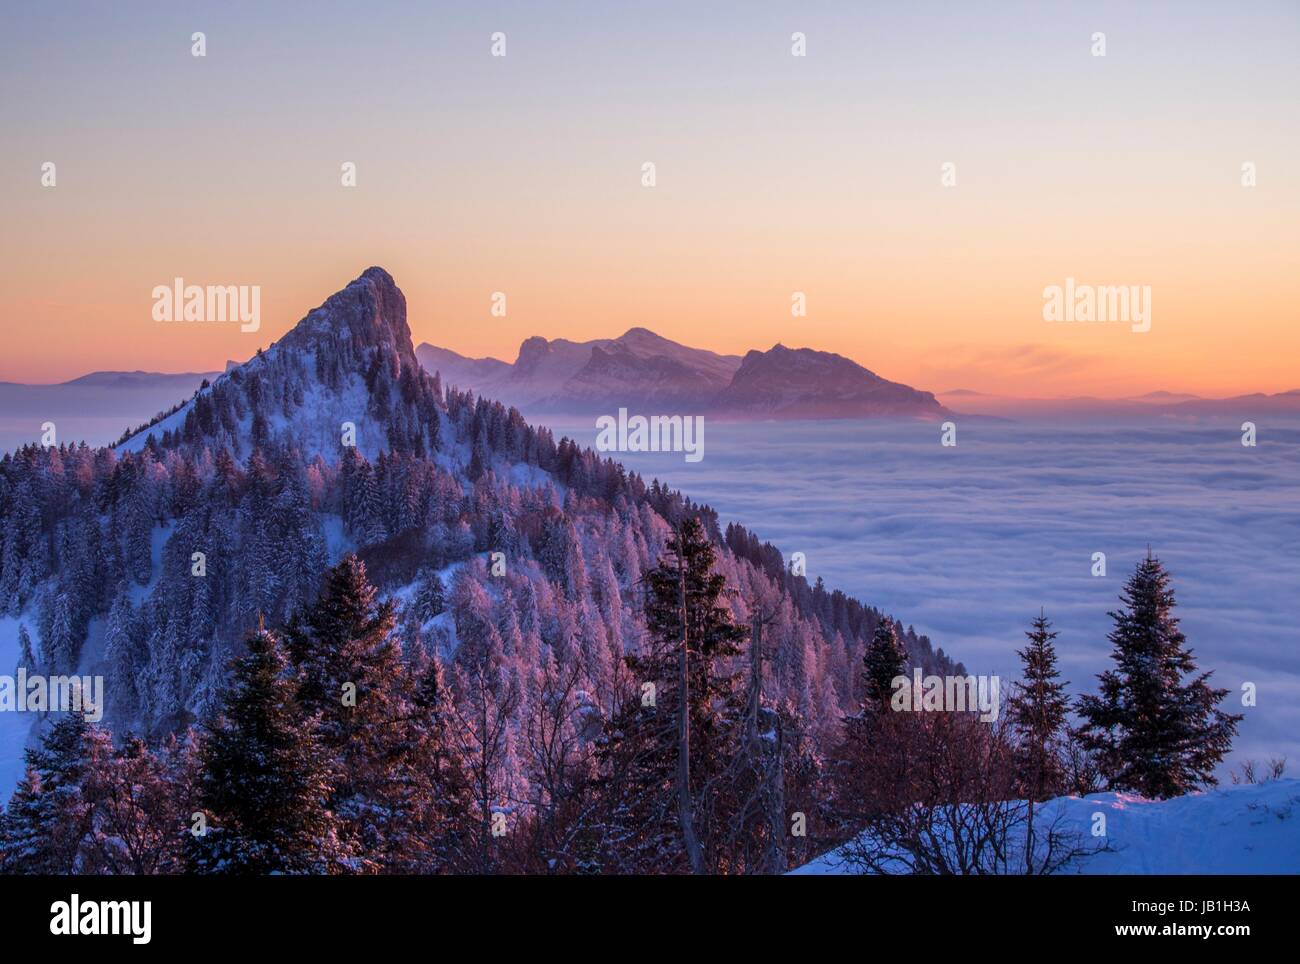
{"points": [[344, 376], [1247, 829], [333, 440], [645, 372]]}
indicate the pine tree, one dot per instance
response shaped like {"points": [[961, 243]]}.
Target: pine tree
{"points": [[1037, 711], [122, 658], [883, 662], [265, 782], [353, 680], [26, 660], [61, 648], [663, 760], [430, 596], [50, 824], [25, 843], [868, 736], [1154, 731]]}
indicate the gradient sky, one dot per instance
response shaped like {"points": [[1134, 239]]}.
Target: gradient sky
{"points": [[775, 174]]}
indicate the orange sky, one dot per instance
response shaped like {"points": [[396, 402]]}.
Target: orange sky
{"points": [[774, 175]]}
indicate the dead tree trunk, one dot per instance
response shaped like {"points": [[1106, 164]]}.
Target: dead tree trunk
{"points": [[685, 806]]}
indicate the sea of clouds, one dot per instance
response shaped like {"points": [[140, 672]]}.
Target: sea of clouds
{"points": [[967, 543]]}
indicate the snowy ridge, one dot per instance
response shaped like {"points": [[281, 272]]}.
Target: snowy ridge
{"points": [[322, 368]]}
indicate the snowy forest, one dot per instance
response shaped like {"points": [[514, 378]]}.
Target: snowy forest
{"points": [[351, 620]]}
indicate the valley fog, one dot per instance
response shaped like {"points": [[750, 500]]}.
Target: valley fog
{"points": [[967, 543]]}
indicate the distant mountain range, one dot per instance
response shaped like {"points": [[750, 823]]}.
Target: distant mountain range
{"points": [[1165, 404], [639, 370], [93, 408], [645, 372]]}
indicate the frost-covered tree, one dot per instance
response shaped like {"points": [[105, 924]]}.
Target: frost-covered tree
{"points": [[26, 660], [430, 596], [49, 826], [354, 682], [666, 754]]}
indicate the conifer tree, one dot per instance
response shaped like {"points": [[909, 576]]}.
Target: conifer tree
{"points": [[352, 678], [430, 596], [25, 843], [49, 827], [665, 756], [883, 662], [1155, 726], [1036, 712], [265, 784], [26, 660]]}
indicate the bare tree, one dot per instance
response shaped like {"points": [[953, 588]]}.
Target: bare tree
{"points": [[559, 757], [940, 799], [1250, 771]]}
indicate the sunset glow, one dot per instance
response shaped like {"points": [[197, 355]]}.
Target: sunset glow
{"points": [[774, 175]]}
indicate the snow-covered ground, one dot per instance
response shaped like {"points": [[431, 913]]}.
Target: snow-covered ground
{"points": [[1252, 829], [14, 727]]}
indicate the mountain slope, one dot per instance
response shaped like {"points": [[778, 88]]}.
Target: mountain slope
{"points": [[334, 439], [457, 369]]}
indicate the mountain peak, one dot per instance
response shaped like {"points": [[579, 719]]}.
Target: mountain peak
{"points": [[370, 310], [350, 361]]}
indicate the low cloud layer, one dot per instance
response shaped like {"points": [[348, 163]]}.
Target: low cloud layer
{"points": [[967, 543]]}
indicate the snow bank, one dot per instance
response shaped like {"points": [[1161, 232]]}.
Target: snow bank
{"points": [[1252, 829]]}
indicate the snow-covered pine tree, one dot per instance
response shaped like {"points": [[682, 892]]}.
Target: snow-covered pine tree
{"points": [[1036, 712], [49, 827], [353, 680], [122, 656], [664, 758], [26, 660], [265, 781], [1155, 726], [25, 844], [430, 596]]}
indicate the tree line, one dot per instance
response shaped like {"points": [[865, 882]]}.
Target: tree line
{"points": [[343, 746]]}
